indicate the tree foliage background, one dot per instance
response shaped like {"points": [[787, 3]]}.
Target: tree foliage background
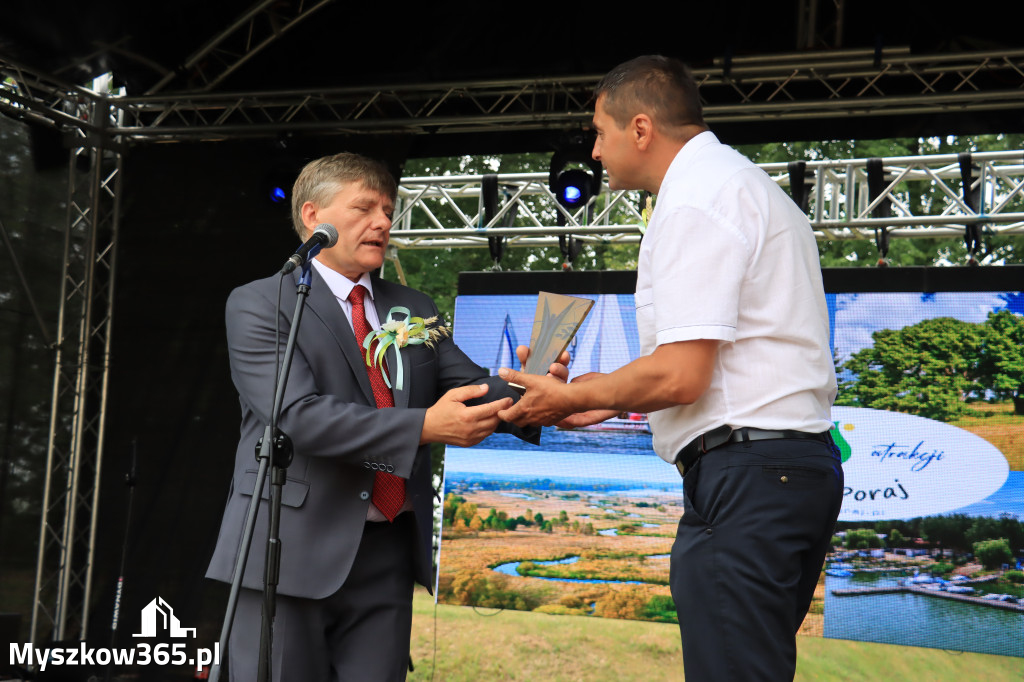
{"points": [[935, 367], [436, 270], [917, 195], [953, 531]]}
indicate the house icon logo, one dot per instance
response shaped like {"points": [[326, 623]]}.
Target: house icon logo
{"points": [[158, 617]]}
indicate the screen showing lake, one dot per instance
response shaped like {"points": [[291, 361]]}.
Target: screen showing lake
{"points": [[929, 419]]}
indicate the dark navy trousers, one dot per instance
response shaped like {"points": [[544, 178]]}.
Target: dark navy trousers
{"points": [[758, 520]]}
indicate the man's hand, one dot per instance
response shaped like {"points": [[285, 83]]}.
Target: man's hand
{"points": [[674, 374], [559, 370], [450, 421], [545, 402]]}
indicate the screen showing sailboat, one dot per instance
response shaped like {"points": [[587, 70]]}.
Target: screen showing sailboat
{"points": [[930, 539]]}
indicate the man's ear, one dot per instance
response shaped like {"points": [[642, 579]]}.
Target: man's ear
{"points": [[642, 129], [308, 212]]}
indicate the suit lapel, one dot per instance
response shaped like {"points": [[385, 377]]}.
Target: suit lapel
{"points": [[325, 306], [384, 301]]}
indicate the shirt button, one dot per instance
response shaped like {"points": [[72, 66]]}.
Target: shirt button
{"points": [[364, 495]]}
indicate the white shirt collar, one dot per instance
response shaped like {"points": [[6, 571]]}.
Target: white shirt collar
{"points": [[340, 285], [686, 155]]}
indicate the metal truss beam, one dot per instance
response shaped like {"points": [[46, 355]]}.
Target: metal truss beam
{"points": [[29, 95], [247, 36], [924, 195], [765, 88], [814, 85], [78, 408]]}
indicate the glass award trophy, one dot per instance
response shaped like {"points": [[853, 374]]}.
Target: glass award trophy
{"points": [[556, 321]]}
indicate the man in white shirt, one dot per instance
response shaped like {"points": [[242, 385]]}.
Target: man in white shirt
{"points": [[736, 373]]}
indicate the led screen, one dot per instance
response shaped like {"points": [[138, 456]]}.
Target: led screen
{"points": [[929, 420]]}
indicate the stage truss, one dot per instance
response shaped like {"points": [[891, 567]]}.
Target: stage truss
{"points": [[849, 199], [765, 88], [74, 452], [911, 196]]}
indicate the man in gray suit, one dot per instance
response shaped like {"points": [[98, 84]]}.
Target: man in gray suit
{"points": [[356, 518]]}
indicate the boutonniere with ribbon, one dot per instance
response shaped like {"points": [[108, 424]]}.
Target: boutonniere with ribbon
{"points": [[410, 331], [645, 214]]}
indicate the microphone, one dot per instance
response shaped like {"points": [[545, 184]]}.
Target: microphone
{"points": [[324, 236]]}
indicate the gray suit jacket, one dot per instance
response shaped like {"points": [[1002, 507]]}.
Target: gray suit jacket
{"points": [[336, 430]]}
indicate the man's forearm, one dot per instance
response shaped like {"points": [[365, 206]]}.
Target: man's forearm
{"points": [[644, 385], [675, 374]]}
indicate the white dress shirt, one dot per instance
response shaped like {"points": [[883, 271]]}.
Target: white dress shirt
{"points": [[341, 286], [729, 256]]}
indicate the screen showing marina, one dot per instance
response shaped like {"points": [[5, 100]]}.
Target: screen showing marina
{"points": [[929, 419]]}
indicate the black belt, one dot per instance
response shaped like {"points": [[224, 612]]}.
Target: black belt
{"points": [[715, 438]]}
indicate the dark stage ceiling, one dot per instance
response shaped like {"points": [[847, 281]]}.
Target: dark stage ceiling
{"points": [[344, 43], [180, 48]]}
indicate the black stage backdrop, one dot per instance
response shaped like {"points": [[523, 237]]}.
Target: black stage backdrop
{"points": [[196, 222]]}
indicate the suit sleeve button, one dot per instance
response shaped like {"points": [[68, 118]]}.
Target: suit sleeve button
{"points": [[364, 495]]}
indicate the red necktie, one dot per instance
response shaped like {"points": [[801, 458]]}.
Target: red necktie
{"points": [[388, 489]]}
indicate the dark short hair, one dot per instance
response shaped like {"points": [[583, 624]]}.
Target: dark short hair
{"points": [[661, 87], [320, 180]]}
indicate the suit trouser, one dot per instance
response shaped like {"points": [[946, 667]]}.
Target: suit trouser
{"points": [[758, 520], [359, 633]]}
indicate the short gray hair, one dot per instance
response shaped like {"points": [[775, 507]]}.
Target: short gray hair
{"points": [[322, 179]]}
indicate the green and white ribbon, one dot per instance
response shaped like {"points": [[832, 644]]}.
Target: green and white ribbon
{"points": [[400, 333]]}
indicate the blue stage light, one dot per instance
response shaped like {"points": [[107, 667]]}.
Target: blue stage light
{"points": [[572, 187], [277, 195]]}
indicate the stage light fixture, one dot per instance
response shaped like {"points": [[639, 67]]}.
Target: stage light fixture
{"points": [[574, 187], [276, 183]]}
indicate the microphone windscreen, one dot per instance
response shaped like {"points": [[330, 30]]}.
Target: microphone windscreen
{"points": [[330, 232]]}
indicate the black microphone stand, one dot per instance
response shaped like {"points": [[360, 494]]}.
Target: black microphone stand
{"points": [[273, 453]]}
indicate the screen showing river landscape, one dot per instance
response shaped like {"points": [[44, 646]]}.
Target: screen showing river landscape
{"points": [[930, 423]]}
